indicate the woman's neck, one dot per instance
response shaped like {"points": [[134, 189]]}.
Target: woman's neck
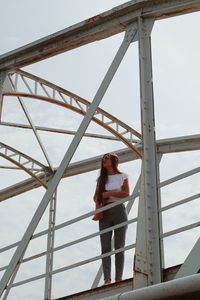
{"points": [[111, 172]]}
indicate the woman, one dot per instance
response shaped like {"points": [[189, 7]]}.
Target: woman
{"points": [[112, 184]]}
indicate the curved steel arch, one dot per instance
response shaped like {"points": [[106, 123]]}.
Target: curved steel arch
{"points": [[56, 95], [21, 160]]}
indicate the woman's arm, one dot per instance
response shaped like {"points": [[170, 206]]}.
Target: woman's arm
{"points": [[124, 192], [96, 191]]}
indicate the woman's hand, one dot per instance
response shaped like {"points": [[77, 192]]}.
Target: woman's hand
{"points": [[106, 194]]}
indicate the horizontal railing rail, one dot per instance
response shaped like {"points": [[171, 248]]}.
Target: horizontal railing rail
{"points": [[180, 229]]}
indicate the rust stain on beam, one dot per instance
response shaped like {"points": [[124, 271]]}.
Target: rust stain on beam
{"points": [[93, 29]]}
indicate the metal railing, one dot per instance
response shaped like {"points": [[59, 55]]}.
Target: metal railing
{"points": [[130, 201]]}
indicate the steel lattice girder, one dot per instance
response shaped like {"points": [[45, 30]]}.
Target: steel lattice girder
{"points": [[42, 90], [31, 166]]}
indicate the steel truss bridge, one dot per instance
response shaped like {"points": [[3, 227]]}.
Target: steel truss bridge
{"points": [[151, 280]]}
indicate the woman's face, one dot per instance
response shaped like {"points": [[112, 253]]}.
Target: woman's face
{"points": [[107, 162]]}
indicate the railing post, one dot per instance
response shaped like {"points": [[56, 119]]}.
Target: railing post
{"points": [[159, 157], [50, 246]]}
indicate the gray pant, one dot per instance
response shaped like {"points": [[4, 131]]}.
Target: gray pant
{"points": [[111, 217]]}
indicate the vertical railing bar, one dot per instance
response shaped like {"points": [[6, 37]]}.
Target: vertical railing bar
{"points": [[50, 246]]}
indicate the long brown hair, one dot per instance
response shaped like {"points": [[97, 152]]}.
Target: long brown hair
{"points": [[103, 177]]}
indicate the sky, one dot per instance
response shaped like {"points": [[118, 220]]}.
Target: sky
{"points": [[176, 64]]}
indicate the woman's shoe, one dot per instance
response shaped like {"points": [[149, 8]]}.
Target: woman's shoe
{"points": [[118, 280], [107, 281]]}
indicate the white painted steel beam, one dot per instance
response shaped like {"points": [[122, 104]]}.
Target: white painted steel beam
{"points": [[63, 131], [93, 29], [147, 259], [191, 264]]}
